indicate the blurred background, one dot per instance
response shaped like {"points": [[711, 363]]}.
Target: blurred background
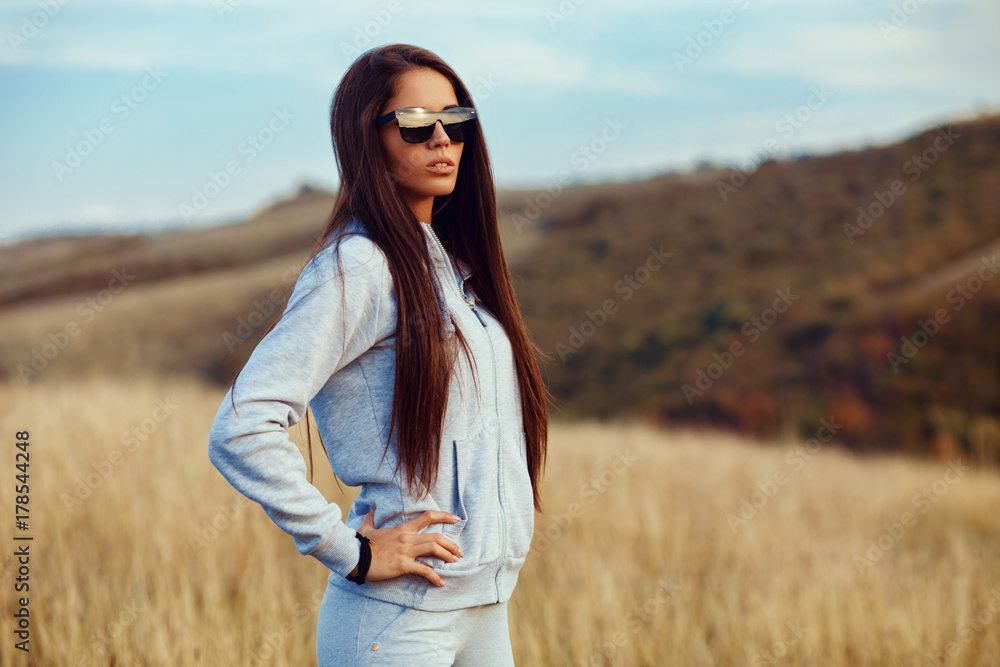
{"points": [[756, 241]]}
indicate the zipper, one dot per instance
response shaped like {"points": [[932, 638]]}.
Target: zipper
{"points": [[460, 287], [496, 393]]}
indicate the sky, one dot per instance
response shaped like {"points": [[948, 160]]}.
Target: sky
{"points": [[141, 115]]}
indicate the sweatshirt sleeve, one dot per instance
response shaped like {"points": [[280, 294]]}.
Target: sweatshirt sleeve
{"points": [[331, 319]]}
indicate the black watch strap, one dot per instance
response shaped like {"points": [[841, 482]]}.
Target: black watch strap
{"points": [[365, 562]]}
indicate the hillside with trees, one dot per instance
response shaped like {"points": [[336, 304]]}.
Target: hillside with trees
{"points": [[855, 287]]}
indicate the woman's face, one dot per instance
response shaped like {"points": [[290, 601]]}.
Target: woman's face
{"points": [[429, 169]]}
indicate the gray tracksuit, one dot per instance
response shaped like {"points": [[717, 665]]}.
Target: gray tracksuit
{"points": [[334, 349]]}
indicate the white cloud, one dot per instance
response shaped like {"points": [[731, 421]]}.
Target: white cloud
{"points": [[517, 60], [631, 81], [851, 57]]}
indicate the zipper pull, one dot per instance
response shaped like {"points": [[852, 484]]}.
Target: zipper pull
{"points": [[472, 305]]}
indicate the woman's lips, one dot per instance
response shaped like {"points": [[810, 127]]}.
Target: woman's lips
{"points": [[442, 168]]}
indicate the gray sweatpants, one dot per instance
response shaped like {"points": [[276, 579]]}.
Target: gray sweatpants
{"points": [[358, 630]]}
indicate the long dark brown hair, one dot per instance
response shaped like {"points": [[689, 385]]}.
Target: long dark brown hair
{"points": [[466, 224]]}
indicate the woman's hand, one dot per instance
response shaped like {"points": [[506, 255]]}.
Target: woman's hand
{"points": [[395, 549]]}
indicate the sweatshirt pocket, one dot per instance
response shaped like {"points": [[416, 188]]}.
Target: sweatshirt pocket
{"points": [[520, 500], [477, 499], [457, 504], [452, 479]]}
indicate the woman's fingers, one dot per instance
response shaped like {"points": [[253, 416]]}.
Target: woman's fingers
{"points": [[394, 550], [428, 517], [427, 572], [436, 544], [432, 548], [368, 523]]}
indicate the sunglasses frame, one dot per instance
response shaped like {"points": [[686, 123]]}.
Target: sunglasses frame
{"points": [[416, 124]]}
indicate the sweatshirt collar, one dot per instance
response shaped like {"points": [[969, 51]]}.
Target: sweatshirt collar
{"points": [[433, 243], [436, 248]]}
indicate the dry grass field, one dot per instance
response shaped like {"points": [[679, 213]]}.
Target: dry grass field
{"points": [[143, 554]]}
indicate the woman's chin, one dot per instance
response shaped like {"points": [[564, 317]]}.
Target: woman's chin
{"points": [[438, 190]]}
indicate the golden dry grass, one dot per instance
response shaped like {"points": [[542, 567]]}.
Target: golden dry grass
{"points": [[643, 570]]}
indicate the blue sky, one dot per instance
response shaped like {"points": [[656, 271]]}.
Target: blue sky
{"points": [[115, 113]]}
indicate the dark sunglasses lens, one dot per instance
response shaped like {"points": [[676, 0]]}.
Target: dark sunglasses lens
{"points": [[418, 135], [455, 132]]}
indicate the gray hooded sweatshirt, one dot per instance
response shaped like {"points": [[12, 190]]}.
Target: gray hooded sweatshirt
{"points": [[334, 350]]}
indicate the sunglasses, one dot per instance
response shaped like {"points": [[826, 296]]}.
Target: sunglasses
{"points": [[416, 125]]}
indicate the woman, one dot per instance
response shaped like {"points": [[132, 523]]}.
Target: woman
{"points": [[404, 337]]}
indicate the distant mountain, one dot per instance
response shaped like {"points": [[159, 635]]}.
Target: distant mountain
{"points": [[45, 267], [856, 288], [849, 295]]}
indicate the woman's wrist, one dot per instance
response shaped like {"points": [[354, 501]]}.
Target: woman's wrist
{"points": [[354, 572], [360, 571]]}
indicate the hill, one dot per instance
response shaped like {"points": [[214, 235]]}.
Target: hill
{"points": [[854, 288]]}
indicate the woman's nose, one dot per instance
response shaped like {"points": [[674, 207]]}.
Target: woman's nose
{"points": [[440, 137]]}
